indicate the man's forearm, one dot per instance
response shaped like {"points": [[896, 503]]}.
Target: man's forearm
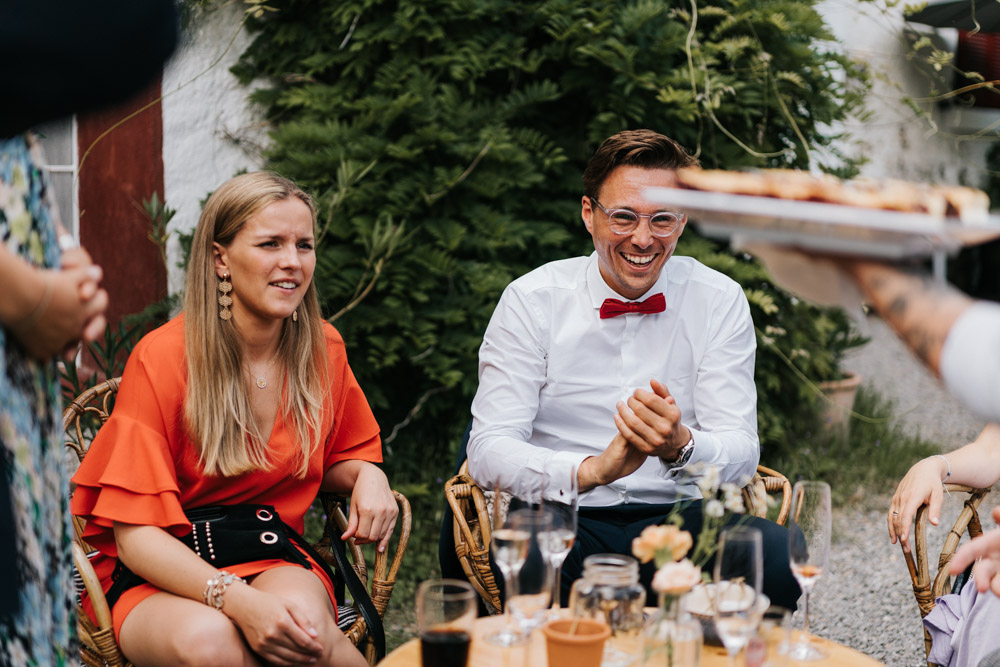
{"points": [[920, 310]]}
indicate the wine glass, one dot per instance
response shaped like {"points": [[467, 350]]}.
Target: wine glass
{"points": [[808, 550], [560, 498], [531, 591], [510, 549], [739, 603]]}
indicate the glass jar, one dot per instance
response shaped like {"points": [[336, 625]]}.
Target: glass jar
{"points": [[609, 591], [673, 637]]}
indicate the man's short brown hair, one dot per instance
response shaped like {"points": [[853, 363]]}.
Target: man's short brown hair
{"points": [[635, 148]]}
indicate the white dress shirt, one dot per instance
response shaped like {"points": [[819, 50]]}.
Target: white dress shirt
{"points": [[970, 359], [551, 372]]}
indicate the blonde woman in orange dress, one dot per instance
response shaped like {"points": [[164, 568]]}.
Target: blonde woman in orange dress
{"points": [[245, 398]]}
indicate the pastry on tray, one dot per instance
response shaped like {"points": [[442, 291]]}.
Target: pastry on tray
{"points": [[969, 205]]}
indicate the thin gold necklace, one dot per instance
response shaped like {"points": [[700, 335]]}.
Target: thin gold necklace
{"points": [[261, 381]]}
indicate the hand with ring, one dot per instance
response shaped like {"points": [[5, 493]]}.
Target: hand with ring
{"points": [[920, 485]]}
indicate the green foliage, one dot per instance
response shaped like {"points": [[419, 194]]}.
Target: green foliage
{"points": [[445, 140]]}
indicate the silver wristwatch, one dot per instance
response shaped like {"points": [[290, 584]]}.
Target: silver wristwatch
{"points": [[683, 456]]}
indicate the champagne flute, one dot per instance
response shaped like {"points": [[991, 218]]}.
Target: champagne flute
{"points": [[561, 498], [808, 550], [531, 590], [739, 604], [510, 549]]}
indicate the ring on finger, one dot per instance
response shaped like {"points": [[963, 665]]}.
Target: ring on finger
{"points": [[895, 513]]}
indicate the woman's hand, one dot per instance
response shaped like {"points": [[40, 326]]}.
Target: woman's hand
{"points": [[373, 508], [275, 628], [69, 307], [986, 549], [920, 485]]}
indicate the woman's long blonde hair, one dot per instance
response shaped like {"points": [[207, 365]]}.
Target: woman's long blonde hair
{"points": [[217, 408]]}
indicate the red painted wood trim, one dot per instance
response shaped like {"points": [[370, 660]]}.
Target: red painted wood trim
{"points": [[121, 170]]}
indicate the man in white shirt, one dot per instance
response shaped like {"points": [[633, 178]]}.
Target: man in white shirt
{"points": [[628, 364]]}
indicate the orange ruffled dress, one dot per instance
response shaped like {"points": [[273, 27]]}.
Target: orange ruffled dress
{"points": [[142, 468]]}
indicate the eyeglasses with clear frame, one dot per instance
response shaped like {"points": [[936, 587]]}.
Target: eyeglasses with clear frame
{"points": [[623, 221]]}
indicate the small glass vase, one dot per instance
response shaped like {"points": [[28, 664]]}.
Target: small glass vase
{"points": [[672, 637]]}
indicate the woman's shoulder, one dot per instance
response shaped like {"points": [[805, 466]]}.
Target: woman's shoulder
{"points": [[161, 351], [165, 339], [334, 341]]}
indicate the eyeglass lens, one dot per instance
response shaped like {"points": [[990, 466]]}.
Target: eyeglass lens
{"points": [[664, 223], [624, 221]]}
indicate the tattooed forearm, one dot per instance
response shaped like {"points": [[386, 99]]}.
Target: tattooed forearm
{"points": [[918, 308], [925, 344]]}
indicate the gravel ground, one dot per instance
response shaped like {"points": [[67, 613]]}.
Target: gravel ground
{"points": [[866, 601]]}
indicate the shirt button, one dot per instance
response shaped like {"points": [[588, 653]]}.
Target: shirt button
{"points": [[628, 338]]}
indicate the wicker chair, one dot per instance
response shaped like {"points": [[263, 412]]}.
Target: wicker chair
{"points": [[471, 525], [81, 420], [917, 559]]}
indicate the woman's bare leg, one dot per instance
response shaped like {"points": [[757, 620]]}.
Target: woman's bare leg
{"points": [[168, 630]]}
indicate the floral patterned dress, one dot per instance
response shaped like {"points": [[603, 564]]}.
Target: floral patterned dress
{"points": [[41, 633]]}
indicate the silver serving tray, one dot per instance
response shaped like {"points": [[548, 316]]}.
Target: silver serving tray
{"points": [[830, 228]]}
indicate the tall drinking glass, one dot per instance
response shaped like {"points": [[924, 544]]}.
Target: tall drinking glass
{"points": [[510, 549], [446, 610], [739, 603], [808, 551], [561, 499], [531, 586]]}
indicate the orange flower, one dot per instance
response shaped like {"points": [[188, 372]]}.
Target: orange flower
{"points": [[655, 540]]}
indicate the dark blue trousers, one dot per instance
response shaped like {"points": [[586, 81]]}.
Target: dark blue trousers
{"points": [[612, 529]]}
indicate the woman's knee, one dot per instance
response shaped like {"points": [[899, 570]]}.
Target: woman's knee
{"points": [[200, 639], [216, 642]]}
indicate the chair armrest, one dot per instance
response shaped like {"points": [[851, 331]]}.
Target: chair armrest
{"points": [[765, 482], [471, 526], [917, 559], [98, 645], [384, 572]]}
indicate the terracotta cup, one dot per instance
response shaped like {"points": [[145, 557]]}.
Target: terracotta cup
{"points": [[583, 648]]}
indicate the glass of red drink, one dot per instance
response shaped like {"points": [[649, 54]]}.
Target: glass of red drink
{"points": [[446, 609]]}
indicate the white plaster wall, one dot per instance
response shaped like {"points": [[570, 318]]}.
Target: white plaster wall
{"points": [[209, 130], [897, 142]]}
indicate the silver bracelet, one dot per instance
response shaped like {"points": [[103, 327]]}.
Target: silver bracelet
{"points": [[216, 587], [67, 242], [948, 474]]}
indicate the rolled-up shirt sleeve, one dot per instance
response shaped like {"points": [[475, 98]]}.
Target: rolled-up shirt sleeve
{"points": [[970, 359]]}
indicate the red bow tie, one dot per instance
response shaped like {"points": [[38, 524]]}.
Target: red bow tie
{"points": [[614, 307]]}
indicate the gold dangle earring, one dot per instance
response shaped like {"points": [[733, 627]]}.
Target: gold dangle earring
{"points": [[225, 287], [295, 315]]}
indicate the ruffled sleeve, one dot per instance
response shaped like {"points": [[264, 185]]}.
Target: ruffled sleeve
{"points": [[129, 473], [355, 433]]}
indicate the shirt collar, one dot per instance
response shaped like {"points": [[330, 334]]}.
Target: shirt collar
{"points": [[600, 290]]}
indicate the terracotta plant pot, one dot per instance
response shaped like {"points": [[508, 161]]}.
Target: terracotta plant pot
{"points": [[836, 413], [584, 648]]}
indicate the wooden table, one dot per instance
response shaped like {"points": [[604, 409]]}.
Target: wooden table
{"points": [[533, 653]]}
